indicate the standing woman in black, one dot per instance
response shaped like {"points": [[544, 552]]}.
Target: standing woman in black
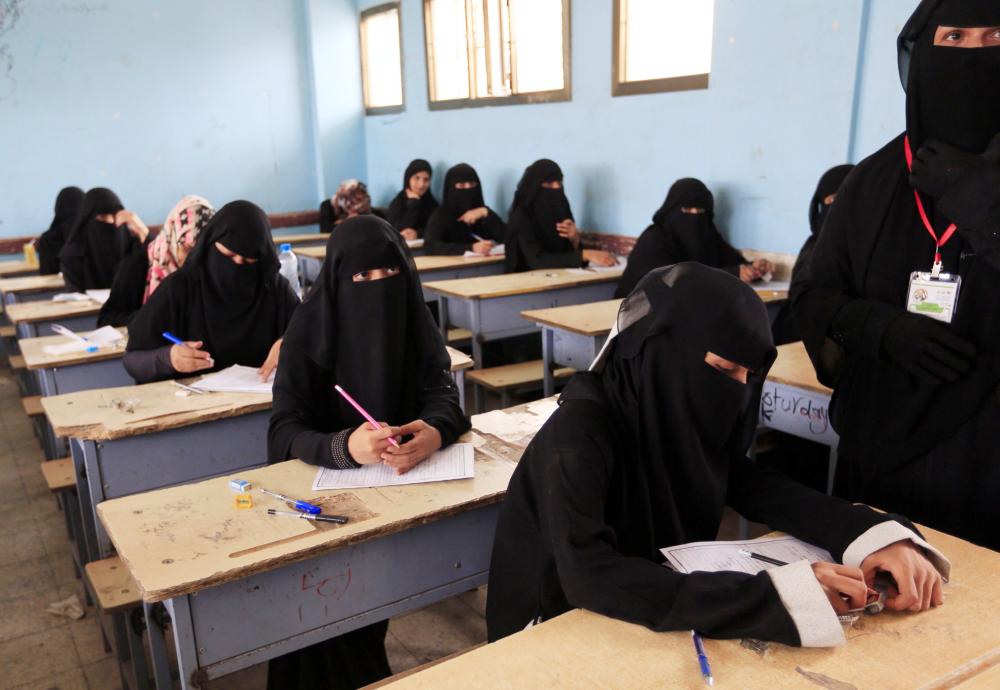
{"points": [[463, 223], [541, 232], [363, 325], [104, 233], [410, 210], [51, 242], [684, 229], [916, 399], [644, 452], [228, 303]]}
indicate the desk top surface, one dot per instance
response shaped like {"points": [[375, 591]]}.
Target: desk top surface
{"points": [[47, 310], [16, 268], [300, 238], [28, 284], [183, 539], [508, 284], [424, 262], [884, 652], [794, 368], [35, 357]]}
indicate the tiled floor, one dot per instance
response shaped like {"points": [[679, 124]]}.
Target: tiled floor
{"points": [[41, 651]]}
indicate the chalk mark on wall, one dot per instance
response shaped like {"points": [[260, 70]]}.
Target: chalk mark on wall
{"points": [[10, 14]]}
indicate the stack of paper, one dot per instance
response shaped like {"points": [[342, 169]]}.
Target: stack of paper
{"points": [[454, 462], [593, 268], [235, 379], [102, 337], [99, 296], [716, 556], [498, 250]]}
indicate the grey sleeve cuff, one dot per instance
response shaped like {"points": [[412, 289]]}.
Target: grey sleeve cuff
{"points": [[340, 456], [804, 599], [886, 533]]}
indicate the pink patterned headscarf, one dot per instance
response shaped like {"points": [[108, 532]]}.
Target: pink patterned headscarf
{"points": [[181, 228], [351, 199]]}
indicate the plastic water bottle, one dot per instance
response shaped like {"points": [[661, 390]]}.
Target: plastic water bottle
{"points": [[290, 267]]}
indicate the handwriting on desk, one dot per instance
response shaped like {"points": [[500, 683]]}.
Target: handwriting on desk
{"points": [[335, 585], [776, 401]]}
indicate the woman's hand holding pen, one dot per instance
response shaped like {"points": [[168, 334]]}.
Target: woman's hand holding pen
{"points": [[918, 583], [426, 440], [843, 585], [367, 446], [189, 357], [409, 234], [483, 247]]}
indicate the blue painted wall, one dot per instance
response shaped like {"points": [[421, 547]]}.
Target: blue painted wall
{"points": [[777, 114], [158, 98]]}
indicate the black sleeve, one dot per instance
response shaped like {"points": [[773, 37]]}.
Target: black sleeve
{"points": [[439, 407], [150, 365], [493, 228], [127, 290], [730, 257], [326, 217], [975, 206], [531, 251], [652, 250], [73, 273], [596, 576], [439, 236]]}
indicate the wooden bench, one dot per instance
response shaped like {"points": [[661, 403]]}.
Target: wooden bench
{"points": [[112, 585], [59, 474], [32, 405], [16, 362], [510, 377], [458, 335], [8, 332], [117, 595]]}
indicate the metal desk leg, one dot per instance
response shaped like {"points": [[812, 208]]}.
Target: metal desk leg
{"points": [[443, 317], [831, 471], [157, 649], [187, 654], [136, 649], [477, 332], [548, 380], [88, 543]]}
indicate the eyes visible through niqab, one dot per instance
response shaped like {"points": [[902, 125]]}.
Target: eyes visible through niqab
{"points": [[375, 274], [975, 37], [736, 372]]}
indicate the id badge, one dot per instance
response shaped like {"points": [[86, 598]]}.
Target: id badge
{"points": [[936, 297]]}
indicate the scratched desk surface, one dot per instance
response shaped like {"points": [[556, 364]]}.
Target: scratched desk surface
{"points": [[35, 356], [29, 284], [933, 650], [44, 310], [183, 539]]}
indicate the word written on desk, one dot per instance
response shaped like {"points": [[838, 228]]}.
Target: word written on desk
{"points": [[798, 412]]}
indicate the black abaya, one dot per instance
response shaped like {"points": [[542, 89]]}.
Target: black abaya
{"points": [[127, 289], [446, 234], [533, 241], [93, 248], [51, 241]]}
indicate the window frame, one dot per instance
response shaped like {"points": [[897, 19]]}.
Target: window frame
{"points": [[552, 96], [383, 109], [688, 82]]}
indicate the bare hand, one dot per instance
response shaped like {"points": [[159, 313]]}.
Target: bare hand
{"points": [[410, 194], [189, 357], [134, 224], [366, 445], [749, 273], [567, 230], [426, 440], [763, 267], [408, 233], [918, 581], [271, 363], [843, 585], [483, 247], [474, 216], [599, 257]]}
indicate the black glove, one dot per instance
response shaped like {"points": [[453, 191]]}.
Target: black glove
{"points": [[927, 349], [939, 168]]}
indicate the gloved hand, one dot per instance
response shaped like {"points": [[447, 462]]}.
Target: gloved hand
{"points": [[938, 168], [928, 349]]}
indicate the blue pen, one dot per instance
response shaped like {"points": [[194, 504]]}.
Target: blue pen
{"points": [[476, 237], [295, 503], [699, 648], [172, 338]]}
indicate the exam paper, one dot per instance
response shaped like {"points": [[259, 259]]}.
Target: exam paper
{"points": [[102, 337], [592, 268], [99, 296], [715, 556], [234, 379], [498, 250], [776, 285], [454, 462]]}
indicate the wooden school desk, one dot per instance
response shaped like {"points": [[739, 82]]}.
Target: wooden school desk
{"points": [[490, 307], [301, 240], [33, 318], [933, 650], [573, 336], [31, 288], [242, 587], [10, 269]]}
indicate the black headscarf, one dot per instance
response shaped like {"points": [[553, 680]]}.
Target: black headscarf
{"points": [[376, 338], [417, 216], [237, 310], [94, 248], [51, 241], [676, 236], [962, 112], [828, 184]]}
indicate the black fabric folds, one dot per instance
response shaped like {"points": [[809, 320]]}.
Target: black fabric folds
{"points": [[94, 248], [445, 233], [532, 239], [238, 311], [68, 204], [676, 236], [644, 452], [404, 212], [829, 183]]}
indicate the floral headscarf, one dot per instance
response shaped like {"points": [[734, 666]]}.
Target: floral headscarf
{"points": [[351, 199], [181, 228]]}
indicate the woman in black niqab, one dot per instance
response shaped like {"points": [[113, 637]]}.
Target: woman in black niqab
{"points": [[463, 222], [94, 246], [226, 312], [915, 399], [51, 242], [363, 326], [410, 210], [679, 233], [644, 452]]}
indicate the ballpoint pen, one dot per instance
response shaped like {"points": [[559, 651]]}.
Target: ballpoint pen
{"points": [[699, 648], [338, 519], [304, 506]]}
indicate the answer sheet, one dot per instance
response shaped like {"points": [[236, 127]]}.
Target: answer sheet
{"points": [[497, 250], [715, 556], [102, 337], [454, 462], [234, 379]]}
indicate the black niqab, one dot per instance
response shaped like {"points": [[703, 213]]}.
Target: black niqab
{"points": [[829, 183], [68, 204], [94, 248], [537, 210], [458, 201], [237, 310]]}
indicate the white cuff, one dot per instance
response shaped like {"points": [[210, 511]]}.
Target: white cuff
{"points": [[806, 603], [886, 533]]}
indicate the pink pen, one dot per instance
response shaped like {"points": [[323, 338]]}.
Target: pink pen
{"points": [[361, 411]]}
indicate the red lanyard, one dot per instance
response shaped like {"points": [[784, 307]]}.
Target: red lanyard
{"points": [[923, 213]]}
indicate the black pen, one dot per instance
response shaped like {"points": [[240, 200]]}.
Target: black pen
{"points": [[761, 557], [339, 519]]}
